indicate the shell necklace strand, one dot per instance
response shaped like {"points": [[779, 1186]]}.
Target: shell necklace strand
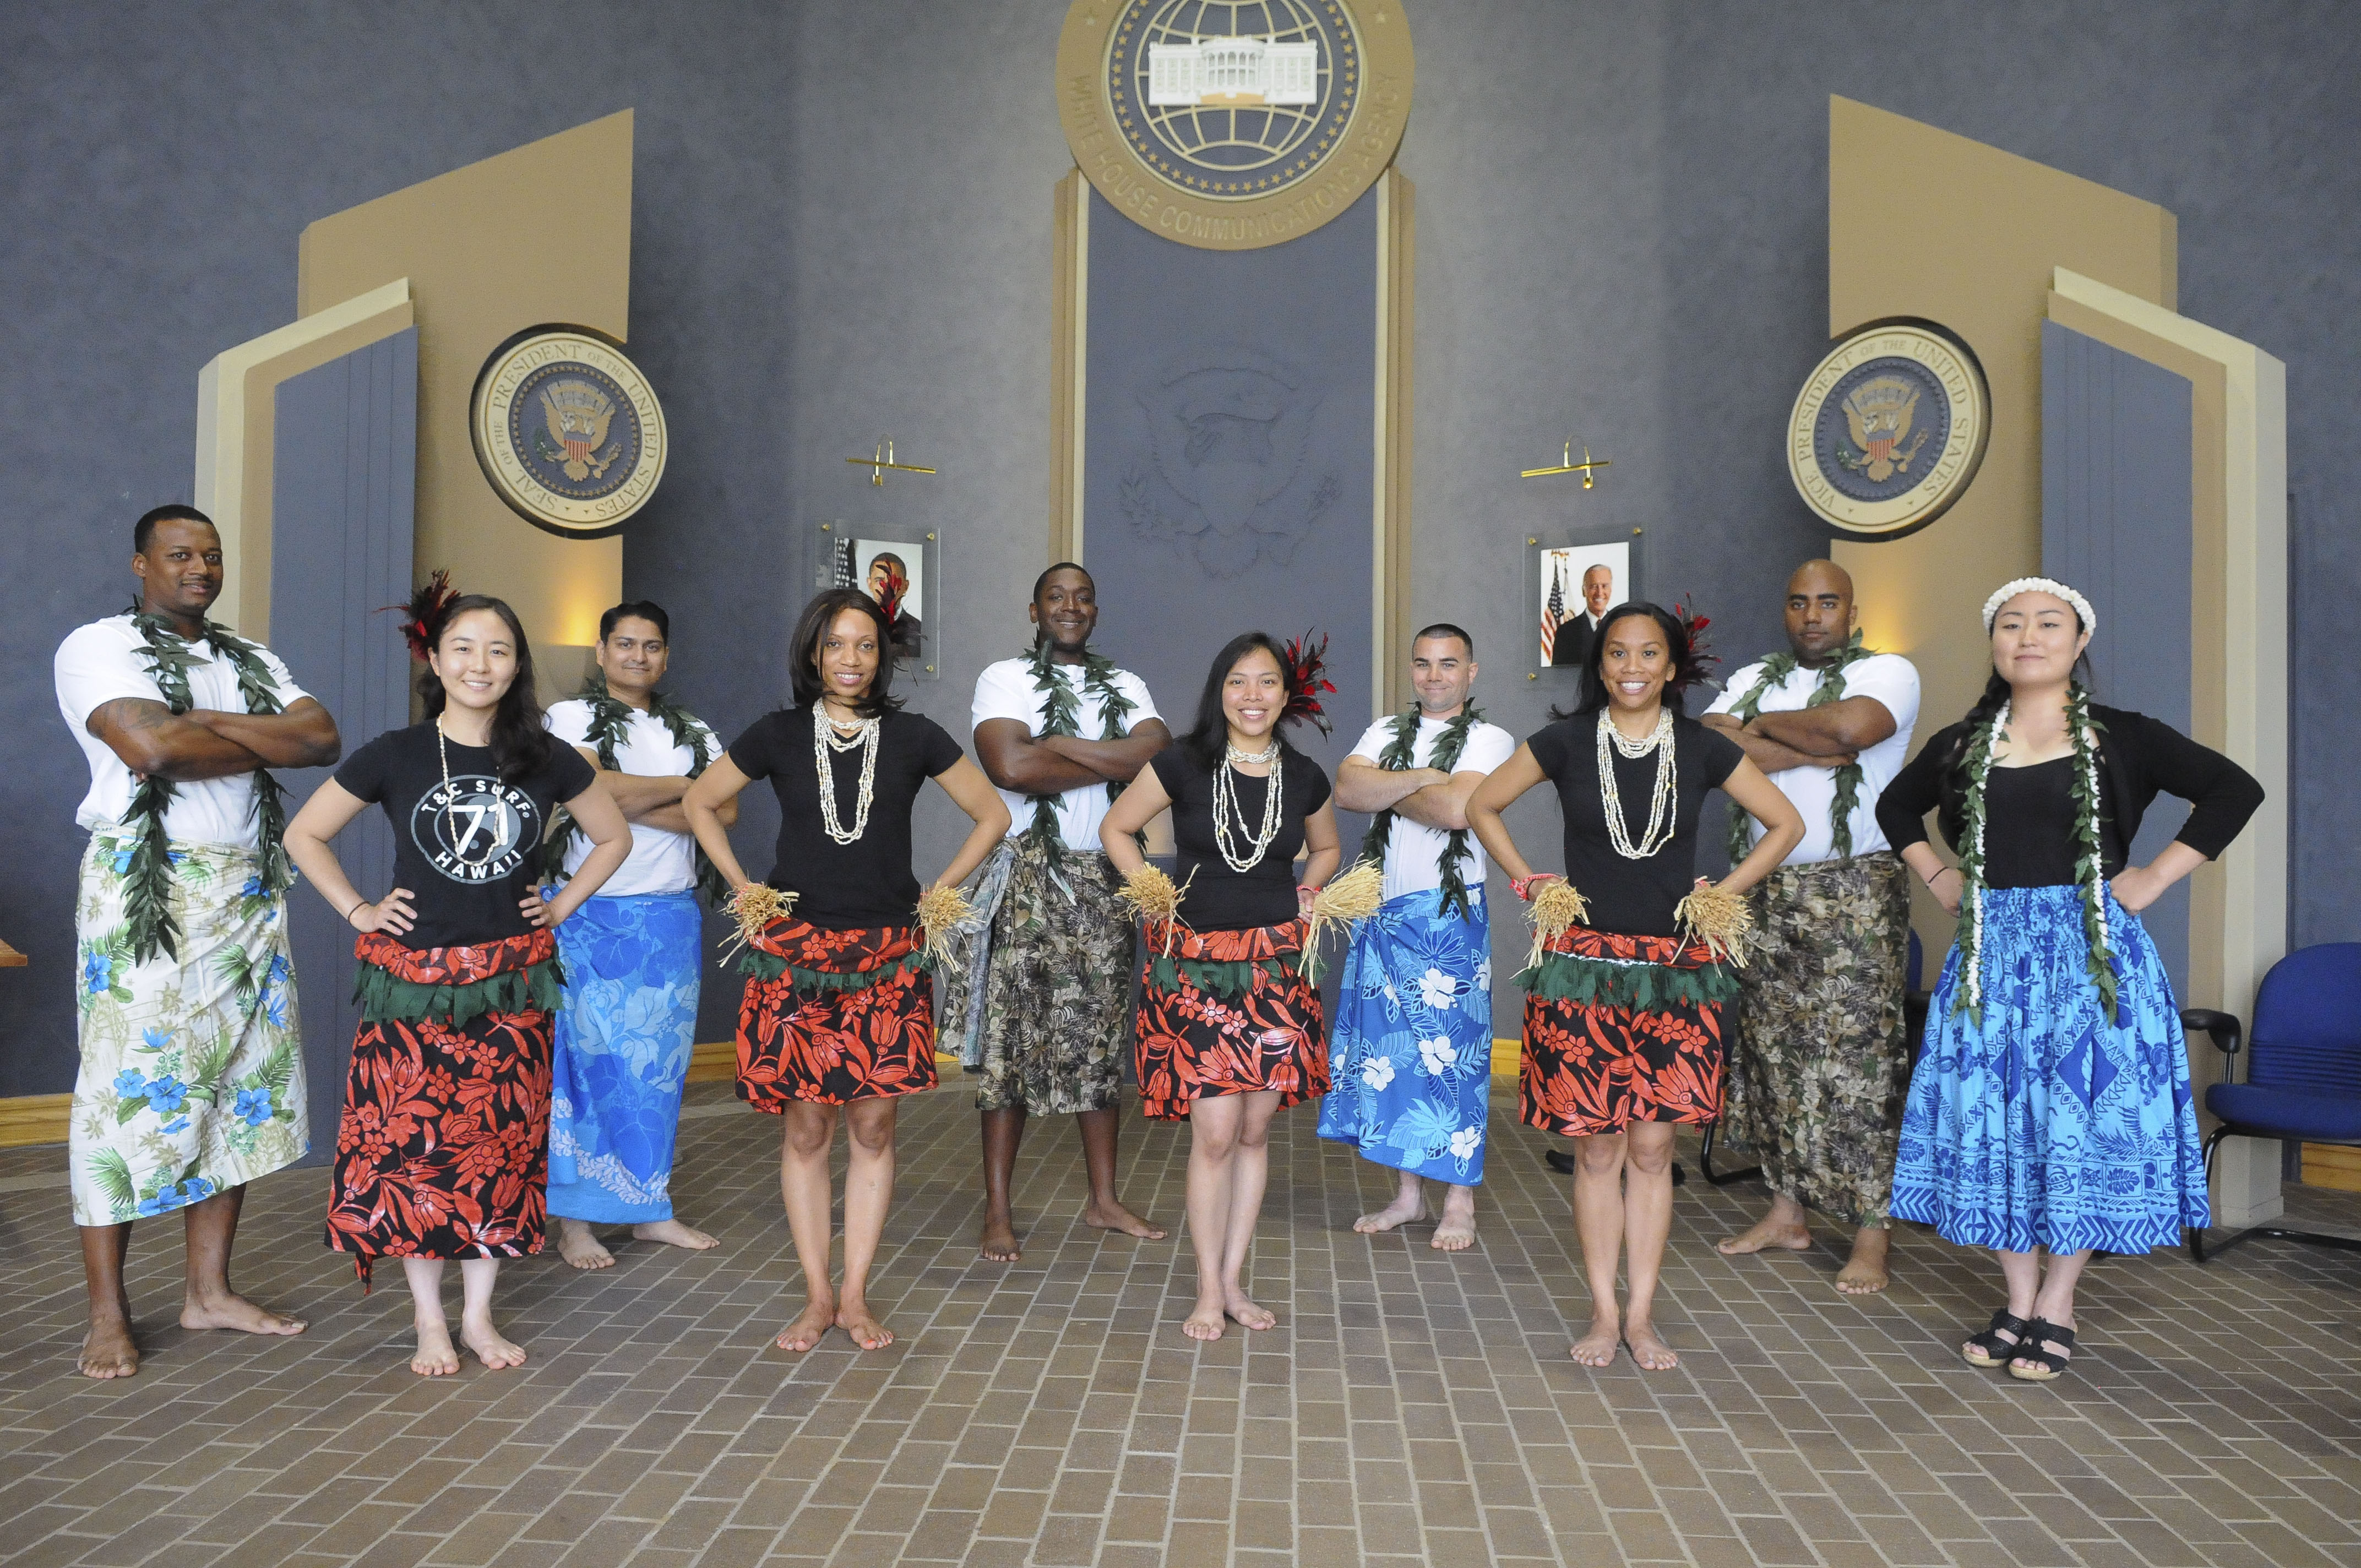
{"points": [[1226, 806], [1661, 808], [450, 829], [828, 736]]}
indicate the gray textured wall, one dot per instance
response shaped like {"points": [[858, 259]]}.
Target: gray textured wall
{"points": [[841, 229]]}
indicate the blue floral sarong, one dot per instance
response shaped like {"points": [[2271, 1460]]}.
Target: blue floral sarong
{"points": [[1411, 1059], [2050, 1125], [624, 1040]]}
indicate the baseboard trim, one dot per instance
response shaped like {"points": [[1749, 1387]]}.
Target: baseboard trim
{"points": [[29, 1119]]}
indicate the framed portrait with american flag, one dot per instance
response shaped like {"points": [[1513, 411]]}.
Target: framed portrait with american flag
{"points": [[1570, 582]]}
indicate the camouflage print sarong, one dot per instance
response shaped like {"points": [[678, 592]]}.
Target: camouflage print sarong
{"points": [[1058, 988], [1817, 1065]]}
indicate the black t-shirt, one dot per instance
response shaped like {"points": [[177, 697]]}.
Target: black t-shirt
{"points": [[468, 857], [1633, 897], [868, 883], [1220, 899]]}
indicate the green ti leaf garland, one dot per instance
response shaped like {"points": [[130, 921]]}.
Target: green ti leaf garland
{"points": [[1776, 671], [1396, 758], [610, 722], [147, 893], [1061, 711], [2084, 731]]}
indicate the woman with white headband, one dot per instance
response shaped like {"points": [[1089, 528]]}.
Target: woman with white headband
{"points": [[2051, 1111]]}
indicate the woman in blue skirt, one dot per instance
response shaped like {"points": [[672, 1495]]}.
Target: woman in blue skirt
{"points": [[2051, 1111]]}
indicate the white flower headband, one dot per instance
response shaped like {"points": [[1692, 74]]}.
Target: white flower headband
{"points": [[2008, 591]]}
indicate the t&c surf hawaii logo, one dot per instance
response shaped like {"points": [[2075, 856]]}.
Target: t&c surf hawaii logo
{"points": [[1889, 429], [475, 828], [568, 430], [1233, 124]]}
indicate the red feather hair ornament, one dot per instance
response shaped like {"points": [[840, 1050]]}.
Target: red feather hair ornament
{"points": [[425, 604], [1703, 660], [1307, 677]]}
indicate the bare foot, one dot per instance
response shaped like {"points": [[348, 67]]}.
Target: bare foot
{"points": [[107, 1351], [1248, 1315], [1205, 1322], [999, 1240], [577, 1246], [1456, 1230], [1864, 1273], [1116, 1217], [436, 1358], [493, 1349], [1649, 1349], [810, 1327], [1597, 1347], [672, 1233], [1393, 1216], [233, 1312], [1765, 1233], [857, 1320]]}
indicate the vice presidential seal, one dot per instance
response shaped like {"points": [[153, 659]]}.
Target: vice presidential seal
{"points": [[1234, 124], [568, 430], [1888, 431]]}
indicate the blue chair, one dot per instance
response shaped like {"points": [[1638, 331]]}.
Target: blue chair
{"points": [[2303, 1067]]}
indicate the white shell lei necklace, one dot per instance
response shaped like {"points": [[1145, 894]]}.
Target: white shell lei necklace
{"points": [[1226, 806], [450, 829], [826, 738], [1662, 813]]}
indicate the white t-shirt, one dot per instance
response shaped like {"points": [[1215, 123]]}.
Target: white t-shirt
{"points": [[104, 660], [1413, 851], [1005, 690], [660, 860], [1893, 682]]}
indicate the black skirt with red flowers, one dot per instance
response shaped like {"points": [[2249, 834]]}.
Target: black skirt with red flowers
{"points": [[1621, 1029], [443, 1149], [833, 1017], [1226, 1012]]}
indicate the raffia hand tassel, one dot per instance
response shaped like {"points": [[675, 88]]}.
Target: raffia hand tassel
{"points": [[942, 910], [754, 907], [1556, 908], [1349, 897], [1719, 918], [1155, 896]]}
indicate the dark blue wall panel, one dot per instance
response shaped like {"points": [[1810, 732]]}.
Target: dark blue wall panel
{"points": [[2115, 507], [343, 505]]}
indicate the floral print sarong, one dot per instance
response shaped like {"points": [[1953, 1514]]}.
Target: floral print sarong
{"points": [[1226, 1012], [833, 1017], [192, 1077], [1596, 1067]]}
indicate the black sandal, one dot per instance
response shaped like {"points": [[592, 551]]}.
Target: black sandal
{"points": [[2050, 1365], [1988, 1349]]}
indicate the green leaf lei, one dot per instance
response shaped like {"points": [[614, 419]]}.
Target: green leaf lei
{"points": [[1061, 714], [2084, 731], [1396, 758], [610, 722], [147, 897], [1776, 668]]}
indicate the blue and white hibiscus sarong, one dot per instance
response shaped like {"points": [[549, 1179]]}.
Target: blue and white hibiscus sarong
{"points": [[1410, 1053], [624, 1035]]}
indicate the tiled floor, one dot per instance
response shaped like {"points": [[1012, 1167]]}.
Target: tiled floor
{"points": [[1413, 1405]]}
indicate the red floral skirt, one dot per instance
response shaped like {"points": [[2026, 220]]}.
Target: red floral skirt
{"points": [[443, 1149], [1226, 1012], [833, 1017], [1592, 1068]]}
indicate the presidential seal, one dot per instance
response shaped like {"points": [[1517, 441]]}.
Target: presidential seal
{"points": [[1230, 125], [568, 430], [1889, 429]]}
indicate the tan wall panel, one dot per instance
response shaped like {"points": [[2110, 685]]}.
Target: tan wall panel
{"points": [[1923, 223], [541, 234]]}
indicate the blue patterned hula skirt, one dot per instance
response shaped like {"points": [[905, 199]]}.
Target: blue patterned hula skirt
{"points": [[2050, 1125]]}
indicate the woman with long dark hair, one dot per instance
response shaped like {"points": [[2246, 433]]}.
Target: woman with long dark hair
{"points": [[2050, 1111], [839, 1014], [1230, 1030], [1623, 1006], [442, 1149]]}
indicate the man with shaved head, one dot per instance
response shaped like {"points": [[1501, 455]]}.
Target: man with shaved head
{"points": [[1820, 1054]]}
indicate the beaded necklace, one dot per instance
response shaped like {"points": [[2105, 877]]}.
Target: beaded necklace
{"points": [[1662, 813], [1831, 688], [1396, 758], [1061, 714], [829, 736], [148, 879], [450, 826], [1226, 806]]}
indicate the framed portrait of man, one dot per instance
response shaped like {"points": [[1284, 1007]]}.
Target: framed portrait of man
{"points": [[1570, 583], [898, 569]]}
